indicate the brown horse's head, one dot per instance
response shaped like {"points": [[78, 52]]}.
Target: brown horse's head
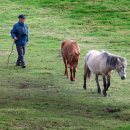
{"points": [[75, 61]]}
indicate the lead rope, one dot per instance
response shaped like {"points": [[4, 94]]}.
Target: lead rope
{"points": [[10, 54]]}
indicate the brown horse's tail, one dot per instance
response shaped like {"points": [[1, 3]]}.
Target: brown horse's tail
{"points": [[87, 72]]}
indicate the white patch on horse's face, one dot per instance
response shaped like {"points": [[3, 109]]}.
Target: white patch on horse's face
{"points": [[75, 65], [121, 69]]}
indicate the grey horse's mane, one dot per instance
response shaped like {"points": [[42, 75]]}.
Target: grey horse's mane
{"points": [[111, 59]]}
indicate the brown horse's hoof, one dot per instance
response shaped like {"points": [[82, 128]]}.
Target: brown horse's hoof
{"points": [[65, 75], [72, 79]]}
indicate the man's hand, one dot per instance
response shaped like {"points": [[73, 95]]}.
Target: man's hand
{"points": [[15, 39]]}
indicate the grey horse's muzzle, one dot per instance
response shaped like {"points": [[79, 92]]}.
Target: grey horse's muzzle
{"points": [[123, 77]]}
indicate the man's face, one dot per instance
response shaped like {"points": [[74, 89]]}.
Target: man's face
{"points": [[21, 20]]}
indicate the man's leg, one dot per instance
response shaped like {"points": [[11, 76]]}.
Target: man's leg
{"points": [[21, 52], [23, 61], [18, 62]]}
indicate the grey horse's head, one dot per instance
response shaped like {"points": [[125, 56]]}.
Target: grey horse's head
{"points": [[118, 63], [121, 67]]}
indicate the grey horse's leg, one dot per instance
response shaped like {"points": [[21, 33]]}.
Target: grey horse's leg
{"points": [[85, 76], [108, 82], [105, 86], [98, 86]]}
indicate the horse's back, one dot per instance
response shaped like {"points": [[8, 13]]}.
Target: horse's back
{"points": [[93, 54], [69, 47], [94, 60]]}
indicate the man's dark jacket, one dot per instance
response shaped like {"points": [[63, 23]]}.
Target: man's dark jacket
{"points": [[20, 30]]}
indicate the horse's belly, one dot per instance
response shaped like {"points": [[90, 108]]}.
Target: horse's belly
{"points": [[94, 68], [95, 71]]}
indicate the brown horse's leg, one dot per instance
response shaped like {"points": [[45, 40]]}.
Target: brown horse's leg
{"points": [[98, 86], [71, 73], [66, 67], [74, 73], [105, 86]]}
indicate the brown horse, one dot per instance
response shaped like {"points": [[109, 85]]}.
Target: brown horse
{"points": [[70, 52]]}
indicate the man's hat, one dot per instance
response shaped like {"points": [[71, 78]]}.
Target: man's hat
{"points": [[21, 16]]}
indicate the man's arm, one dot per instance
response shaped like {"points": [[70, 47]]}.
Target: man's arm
{"points": [[27, 34], [13, 31]]}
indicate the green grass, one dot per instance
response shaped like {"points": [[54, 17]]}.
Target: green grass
{"points": [[40, 97]]}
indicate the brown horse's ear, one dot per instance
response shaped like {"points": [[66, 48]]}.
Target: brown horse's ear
{"points": [[78, 54], [74, 42]]}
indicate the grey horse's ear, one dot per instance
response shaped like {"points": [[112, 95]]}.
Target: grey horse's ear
{"points": [[124, 60], [118, 60]]}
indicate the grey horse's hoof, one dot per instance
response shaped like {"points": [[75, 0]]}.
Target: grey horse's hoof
{"points": [[84, 87], [104, 93], [99, 91]]}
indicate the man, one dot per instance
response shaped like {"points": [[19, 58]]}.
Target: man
{"points": [[19, 34]]}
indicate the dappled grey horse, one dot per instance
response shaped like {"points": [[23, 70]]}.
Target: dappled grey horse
{"points": [[102, 63]]}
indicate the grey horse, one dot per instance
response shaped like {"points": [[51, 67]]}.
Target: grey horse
{"points": [[102, 63]]}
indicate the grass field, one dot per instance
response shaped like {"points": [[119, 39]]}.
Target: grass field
{"points": [[40, 97]]}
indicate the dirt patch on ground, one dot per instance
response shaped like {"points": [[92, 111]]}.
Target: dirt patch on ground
{"points": [[18, 98], [123, 116], [112, 110], [4, 52], [89, 39], [31, 84], [24, 85], [28, 85]]}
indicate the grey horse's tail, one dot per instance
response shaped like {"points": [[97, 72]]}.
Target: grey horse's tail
{"points": [[87, 72]]}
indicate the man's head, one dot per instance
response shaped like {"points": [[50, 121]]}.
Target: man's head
{"points": [[21, 18]]}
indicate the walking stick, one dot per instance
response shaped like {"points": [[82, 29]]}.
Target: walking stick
{"points": [[10, 53]]}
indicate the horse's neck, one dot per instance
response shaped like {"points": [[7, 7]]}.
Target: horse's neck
{"points": [[111, 67]]}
